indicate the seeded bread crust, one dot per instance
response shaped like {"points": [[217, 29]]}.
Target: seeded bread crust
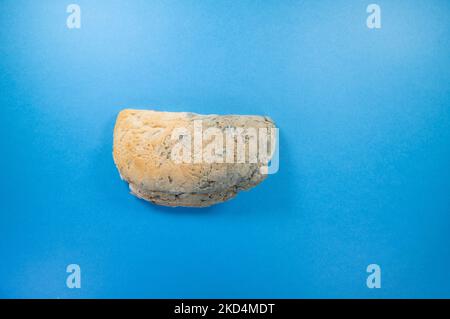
{"points": [[142, 153]]}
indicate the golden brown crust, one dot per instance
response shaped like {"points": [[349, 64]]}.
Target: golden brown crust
{"points": [[142, 153]]}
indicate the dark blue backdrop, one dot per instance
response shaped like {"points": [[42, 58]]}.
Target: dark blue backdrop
{"points": [[365, 148]]}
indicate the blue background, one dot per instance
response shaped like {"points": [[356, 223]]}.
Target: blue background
{"points": [[364, 175]]}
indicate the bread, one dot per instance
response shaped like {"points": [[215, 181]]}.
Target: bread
{"points": [[144, 153]]}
